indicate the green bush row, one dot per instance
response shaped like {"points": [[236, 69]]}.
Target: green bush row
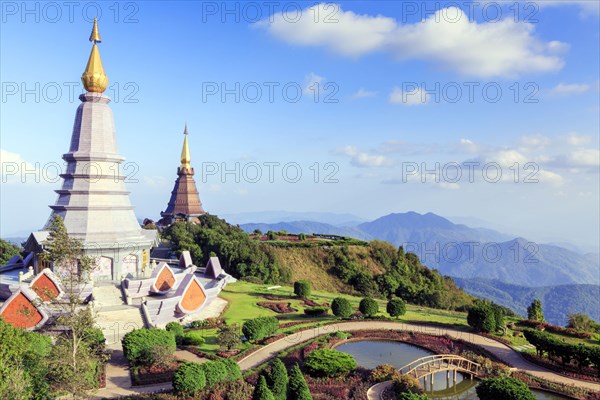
{"points": [[260, 328]]}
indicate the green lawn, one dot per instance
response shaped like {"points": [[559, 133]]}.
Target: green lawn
{"points": [[243, 296]]}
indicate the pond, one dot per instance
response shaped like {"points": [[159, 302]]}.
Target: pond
{"points": [[371, 353]]}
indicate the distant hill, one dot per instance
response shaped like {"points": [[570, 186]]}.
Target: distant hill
{"points": [[461, 251], [557, 301], [270, 217]]}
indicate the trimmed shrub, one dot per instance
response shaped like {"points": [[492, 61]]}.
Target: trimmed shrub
{"points": [[260, 328], [297, 387], [329, 363], [278, 379], [189, 378], [503, 388], [192, 339], [368, 306], [396, 307], [302, 289], [482, 318], [262, 391], [407, 384], [234, 372], [384, 372], [341, 307], [174, 327], [215, 372], [138, 344], [316, 310]]}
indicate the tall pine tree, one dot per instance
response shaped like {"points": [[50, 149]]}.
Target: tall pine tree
{"points": [[278, 379], [261, 391], [535, 312], [297, 387]]}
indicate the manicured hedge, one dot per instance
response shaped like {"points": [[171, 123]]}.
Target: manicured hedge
{"points": [[316, 310], [215, 372], [396, 307], [302, 289], [556, 329], [192, 338], [368, 306], [189, 378], [138, 344], [503, 388], [329, 363], [547, 344], [341, 307], [260, 328]]}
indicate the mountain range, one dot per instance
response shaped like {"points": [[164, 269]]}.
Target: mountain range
{"points": [[461, 251], [486, 263], [557, 301]]}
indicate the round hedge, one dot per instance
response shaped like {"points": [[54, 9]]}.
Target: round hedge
{"points": [[215, 372], [302, 289], [189, 378], [329, 363], [503, 388], [138, 344], [396, 307], [368, 306], [341, 307]]}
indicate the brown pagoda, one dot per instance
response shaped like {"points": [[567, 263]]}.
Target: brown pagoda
{"points": [[184, 204]]}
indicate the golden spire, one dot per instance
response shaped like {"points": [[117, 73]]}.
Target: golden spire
{"points": [[93, 78], [185, 152]]}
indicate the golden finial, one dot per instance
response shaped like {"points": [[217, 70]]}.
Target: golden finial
{"points": [[95, 35], [185, 152], [93, 78]]}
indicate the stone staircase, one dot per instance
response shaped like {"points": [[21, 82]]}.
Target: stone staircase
{"points": [[114, 317]]}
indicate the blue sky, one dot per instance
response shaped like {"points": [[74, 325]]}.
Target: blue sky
{"points": [[375, 66]]}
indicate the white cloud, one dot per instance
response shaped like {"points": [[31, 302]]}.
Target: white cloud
{"points": [[363, 159], [584, 157], [505, 48], [347, 33], [362, 93], [550, 177], [506, 158], [15, 169], [469, 146], [417, 97], [571, 88], [536, 141], [575, 139], [313, 83]]}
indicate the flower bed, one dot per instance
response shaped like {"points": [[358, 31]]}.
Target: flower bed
{"points": [[141, 376], [311, 303], [537, 383], [275, 297], [227, 354], [568, 370], [280, 308]]}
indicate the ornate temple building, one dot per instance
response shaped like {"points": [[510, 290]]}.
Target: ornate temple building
{"points": [[94, 205], [93, 200], [184, 204]]}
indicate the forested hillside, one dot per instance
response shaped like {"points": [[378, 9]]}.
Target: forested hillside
{"points": [[375, 269]]}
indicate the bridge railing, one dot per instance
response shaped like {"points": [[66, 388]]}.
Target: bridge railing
{"points": [[443, 361]]}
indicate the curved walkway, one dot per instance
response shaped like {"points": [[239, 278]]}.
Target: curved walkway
{"points": [[376, 391], [500, 350]]}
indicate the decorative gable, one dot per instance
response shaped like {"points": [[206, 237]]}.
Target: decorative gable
{"points": [[213, 268], [193, 295], [165, 279], [46, 285], [22, 310]]}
